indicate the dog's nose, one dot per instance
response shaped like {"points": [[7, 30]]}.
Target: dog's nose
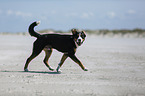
{"points": [[79, 40]]}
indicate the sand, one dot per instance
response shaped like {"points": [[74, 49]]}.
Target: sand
{"points": [[116, 68]]}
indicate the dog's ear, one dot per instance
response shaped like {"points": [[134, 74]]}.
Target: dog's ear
{"points": [[74, 31], [84, 33]]}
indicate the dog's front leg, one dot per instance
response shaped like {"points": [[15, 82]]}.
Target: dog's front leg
{"points": [[64, 57], [75, 59]]}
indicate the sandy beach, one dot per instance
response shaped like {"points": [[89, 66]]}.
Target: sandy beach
{"points": [[116, 68]]}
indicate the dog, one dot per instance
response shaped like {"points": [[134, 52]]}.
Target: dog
{"points": [[66, 44]]}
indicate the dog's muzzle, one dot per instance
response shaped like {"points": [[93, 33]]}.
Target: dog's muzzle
{"points": [[79, 41]]}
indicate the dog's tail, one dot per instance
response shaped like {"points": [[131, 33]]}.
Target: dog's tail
{"points": [[31, 29]]}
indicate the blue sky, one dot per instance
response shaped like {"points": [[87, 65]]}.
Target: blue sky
{"points": [[16, 15]]}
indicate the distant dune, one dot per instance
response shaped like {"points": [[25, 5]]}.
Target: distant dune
{"points": [[125, 33]]}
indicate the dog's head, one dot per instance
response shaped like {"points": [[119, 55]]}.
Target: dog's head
{"points": [[79, 36]]}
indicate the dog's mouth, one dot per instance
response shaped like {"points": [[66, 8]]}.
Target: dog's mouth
{"points": [[79, 43]]}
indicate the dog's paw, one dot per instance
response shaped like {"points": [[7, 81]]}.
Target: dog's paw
{"points": [[59, 71], [26, 70], [85, 69], [51, 69]]}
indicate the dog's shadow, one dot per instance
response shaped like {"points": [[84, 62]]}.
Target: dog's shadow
{"points": [[43, 72], [40, 72]]}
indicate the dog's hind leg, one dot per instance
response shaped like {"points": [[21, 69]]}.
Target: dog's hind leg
{"points": [[64, 57], [37, 48], [29, 60], [47, 56]]}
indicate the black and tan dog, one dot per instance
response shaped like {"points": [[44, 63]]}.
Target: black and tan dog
{"points": [[66, 44]]}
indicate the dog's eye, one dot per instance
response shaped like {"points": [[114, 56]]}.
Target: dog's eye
{"points": [[83, 36], [76, 35]]}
